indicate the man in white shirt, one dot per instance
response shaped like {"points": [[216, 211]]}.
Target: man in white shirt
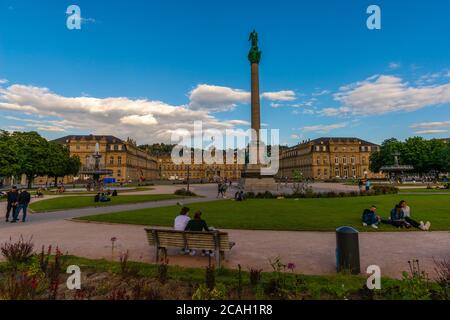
{"points": [[180, 224], [181, 220]]}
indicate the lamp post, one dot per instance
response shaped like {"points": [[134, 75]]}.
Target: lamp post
{"points": [[188, 174]]}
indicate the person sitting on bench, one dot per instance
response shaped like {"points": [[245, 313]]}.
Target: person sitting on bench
{"points": [[199, 225]]}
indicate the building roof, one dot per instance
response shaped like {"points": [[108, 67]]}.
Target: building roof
{"points": [[332, 139], [342, 139], [109, 139]]}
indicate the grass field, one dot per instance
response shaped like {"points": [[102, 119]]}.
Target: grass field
{"points": [[425, 190], [323, 214], [76, 202]]}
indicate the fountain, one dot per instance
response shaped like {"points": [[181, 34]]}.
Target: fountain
{"points": [[396, 169], [95, 169]]}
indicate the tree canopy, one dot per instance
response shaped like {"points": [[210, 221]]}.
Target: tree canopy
{"points": [[425, 156], [30, 154]]}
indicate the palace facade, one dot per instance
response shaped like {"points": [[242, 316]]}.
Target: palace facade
{"points": [[126, 161], [198, 172], [329, 158]]}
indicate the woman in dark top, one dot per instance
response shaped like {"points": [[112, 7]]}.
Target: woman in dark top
{"points": [[197, 224]]}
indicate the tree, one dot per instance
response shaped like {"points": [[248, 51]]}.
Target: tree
{"points": [[426, 156], [385, 155], [8, 163], [31, 155], [60, 163]]}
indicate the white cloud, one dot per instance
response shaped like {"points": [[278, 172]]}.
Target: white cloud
{"points": [[284, 95], [431, 125], [238, 122], [435, 127], [295, 136], [145, 120], [276, 105], [4, 81], [334, 112], [216, 98], [324, 128], [321, 93], [432, 131], [394, 65], [383, 94]]}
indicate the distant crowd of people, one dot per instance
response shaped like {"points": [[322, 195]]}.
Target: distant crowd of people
{"points": [[16, 202], [400, 217]]}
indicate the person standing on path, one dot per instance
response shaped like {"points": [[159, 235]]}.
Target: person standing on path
{"points": [[12, 198], [368, 184], [23, 202]]}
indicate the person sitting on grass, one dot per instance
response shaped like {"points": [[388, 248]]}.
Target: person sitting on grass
{"points": [[97, 197], [406, 210], [199, 225], [114, 193], [397, 218], [239, 196], [369, 217], [104, 198]]}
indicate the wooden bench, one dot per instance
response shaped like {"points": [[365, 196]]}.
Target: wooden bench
{"points": [[216, 241]]}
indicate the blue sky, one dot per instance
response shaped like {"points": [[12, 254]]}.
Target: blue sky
{"points": [[146, 69]]}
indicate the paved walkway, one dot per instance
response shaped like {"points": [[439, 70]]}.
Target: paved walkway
{"points": [[312, 252]]}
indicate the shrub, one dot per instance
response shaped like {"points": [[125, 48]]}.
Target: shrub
{"points": [[384, 189], [125, 268], [18, 252], [210, 277], [255, 277], [250, 195], [185, 193], [163, 268], [415, 285], [18, 286], [443, 277], [203, 293], [265, 195]]}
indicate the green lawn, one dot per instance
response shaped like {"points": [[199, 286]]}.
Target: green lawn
{"points": [[323, 214], [419, 190], [76, 202]]}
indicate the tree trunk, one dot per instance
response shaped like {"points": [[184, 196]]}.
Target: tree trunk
{"points": [[56, 182], [30, 181]]}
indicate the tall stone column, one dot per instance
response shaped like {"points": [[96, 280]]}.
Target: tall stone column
{"points": [[255, 103], [252, 179]]}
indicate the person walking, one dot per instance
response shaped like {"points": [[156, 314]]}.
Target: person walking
{"points": [[12, 198], [360, 185], [23, 202]]}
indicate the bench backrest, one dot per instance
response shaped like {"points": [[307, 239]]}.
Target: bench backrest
{"points": [[188, 239]]}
